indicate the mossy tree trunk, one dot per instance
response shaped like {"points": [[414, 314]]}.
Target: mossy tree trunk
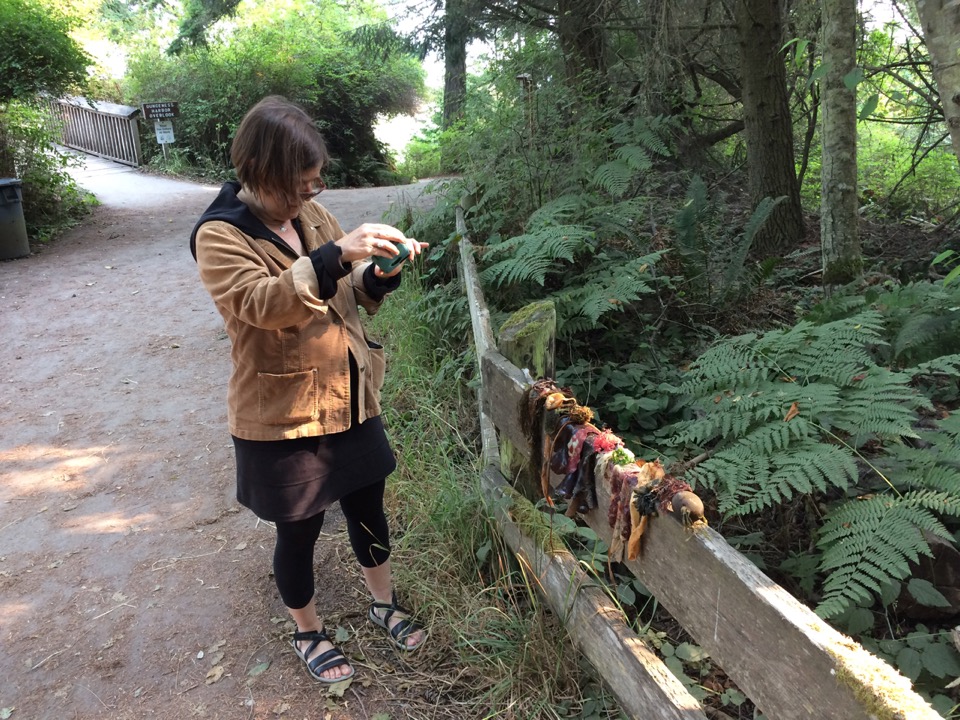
{"points": [[456, 32], [839, 232], [768, 124], [941, 32]]}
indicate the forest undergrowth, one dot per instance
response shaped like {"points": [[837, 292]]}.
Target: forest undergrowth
{"points": [[873, 371]]}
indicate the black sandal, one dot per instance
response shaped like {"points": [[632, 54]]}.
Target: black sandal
{"points": [[324, 661], [403, 629]]}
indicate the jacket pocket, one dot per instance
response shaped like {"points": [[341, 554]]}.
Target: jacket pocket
{"points": [[288, 399], [378, 365]]}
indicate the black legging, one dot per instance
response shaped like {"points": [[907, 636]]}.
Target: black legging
{"points": [[293, 554]]}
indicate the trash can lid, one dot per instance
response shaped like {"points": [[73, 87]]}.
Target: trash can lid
{"points": [[7, 182]]}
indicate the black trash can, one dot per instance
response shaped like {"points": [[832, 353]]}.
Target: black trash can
{"points": [[13, 229]]}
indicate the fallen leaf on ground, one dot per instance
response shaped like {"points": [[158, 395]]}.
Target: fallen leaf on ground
{"points": [[241, 546], [215, 674], [257, 669], [339, 688]]}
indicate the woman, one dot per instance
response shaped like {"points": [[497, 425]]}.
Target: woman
{"points": [[304, 395]]}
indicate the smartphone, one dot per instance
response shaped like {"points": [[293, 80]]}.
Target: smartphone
{"points": [[389, 264]]}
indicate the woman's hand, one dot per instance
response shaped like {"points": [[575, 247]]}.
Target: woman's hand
{"points": [[377, 239]]}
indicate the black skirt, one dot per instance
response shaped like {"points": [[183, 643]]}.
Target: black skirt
{"points": [[287, 480]]}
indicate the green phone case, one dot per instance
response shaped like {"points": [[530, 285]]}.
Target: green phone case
{"points": [[389, 264]]}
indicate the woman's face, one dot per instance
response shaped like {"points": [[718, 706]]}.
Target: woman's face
{"points": [[279, 207]]}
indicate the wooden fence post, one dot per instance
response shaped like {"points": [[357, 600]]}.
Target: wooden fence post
{"points": [[528, 340]]}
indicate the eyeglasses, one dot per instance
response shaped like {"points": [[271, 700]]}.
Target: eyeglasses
{"points": [[317, 186]]}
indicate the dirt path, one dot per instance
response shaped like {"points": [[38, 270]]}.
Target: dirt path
{"points": [[132, 584]]}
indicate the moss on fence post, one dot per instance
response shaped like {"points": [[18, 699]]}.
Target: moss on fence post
{"points": [[528, 340]]}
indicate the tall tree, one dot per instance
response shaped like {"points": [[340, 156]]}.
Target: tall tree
{"points": [[941, 31], [768, 124], [839, 232], [456, 35], [580, 29]]}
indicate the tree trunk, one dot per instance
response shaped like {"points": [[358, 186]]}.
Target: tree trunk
{"points": [[768, 125], [455, 35], [839, 235], [941, 32], [583, 42]]}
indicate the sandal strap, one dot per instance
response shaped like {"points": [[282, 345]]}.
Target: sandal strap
{"points": [[318, 635], [315, 637], [404, 629], [391, 608], [327, 661]]}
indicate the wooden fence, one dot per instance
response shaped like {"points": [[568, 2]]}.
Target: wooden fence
{"points": [[99, 128], [788, 661]]}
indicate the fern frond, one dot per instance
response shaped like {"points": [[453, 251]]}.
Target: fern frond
{"points": [[636, 157], [796, 404], [950, 426], [608, 287], [734, 269], [535, 254], [686, 221], [648, 132], [946, 364], [597, 299], [614, 178], [560, 211], [870, 542], [920, 329], [748, 481]]}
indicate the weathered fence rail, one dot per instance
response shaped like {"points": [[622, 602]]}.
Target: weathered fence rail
{"points": [[99, 128], [786, 659]]}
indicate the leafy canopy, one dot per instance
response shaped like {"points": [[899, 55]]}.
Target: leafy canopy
{"points": [[37, 54], [302, 53]]}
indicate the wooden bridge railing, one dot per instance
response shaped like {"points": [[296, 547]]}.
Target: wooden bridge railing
{"points": [[790, 663], [99, 128]]}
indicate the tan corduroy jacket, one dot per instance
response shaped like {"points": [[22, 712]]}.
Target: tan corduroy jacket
{"points": [[291, 376]]}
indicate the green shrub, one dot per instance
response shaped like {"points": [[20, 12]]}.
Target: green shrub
{"points": [[36, 53], [51, 198], [294, 54], [422, 156]]}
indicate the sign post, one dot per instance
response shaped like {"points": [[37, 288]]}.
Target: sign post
{"points": [[162, 113]]}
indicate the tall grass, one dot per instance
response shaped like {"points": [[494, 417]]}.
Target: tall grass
{"points": [[494, 651]]}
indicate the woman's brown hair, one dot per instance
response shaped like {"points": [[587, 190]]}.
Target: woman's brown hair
{"points": [[275, 143]]}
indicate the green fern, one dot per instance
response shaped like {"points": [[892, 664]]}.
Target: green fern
{"points": [[788, 413], [870, 542], [734, 269], [921, 320], [686, 224], [563, 210], [650, 133], [946, 365], [615, 178], [636, 158], [748, 481], [533, 255], [608, 286]]}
